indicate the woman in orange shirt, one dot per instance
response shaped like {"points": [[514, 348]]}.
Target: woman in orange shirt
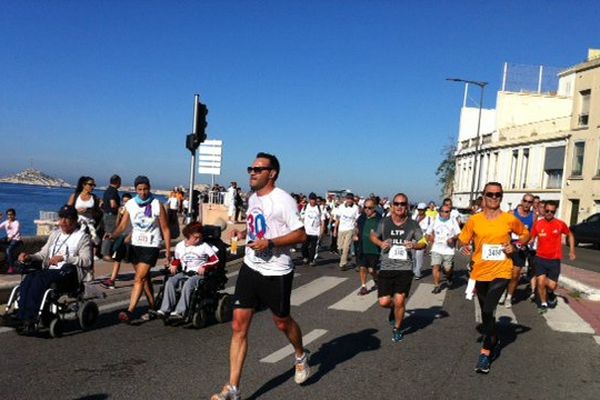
{"points": [[490, 232]]}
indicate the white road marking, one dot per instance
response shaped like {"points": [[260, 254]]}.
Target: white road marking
{"points": [[564, 319], [314, 288], [422, 298], [354, 302], [289, 349], [597, 339]]}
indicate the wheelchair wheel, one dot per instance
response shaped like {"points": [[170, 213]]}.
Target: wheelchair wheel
{"points": [[224, 311], [200, 318], [87, 315], [56, 328]]}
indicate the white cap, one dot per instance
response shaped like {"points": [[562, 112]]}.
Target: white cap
{"points": [[421, 206]]}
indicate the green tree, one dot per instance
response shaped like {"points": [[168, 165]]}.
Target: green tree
{"points": [[445, 171]]}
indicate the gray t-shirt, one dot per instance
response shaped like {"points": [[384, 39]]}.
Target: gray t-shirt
{"points": [[398, 257]]}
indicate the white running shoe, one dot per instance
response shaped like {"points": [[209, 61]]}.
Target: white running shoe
{"points": [[302, 369], [227, 393]]}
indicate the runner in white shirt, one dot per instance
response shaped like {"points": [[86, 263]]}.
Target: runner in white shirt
{"points": [[273, 226], [346, 216], [443, 233], [424, 223], [313, 217]]}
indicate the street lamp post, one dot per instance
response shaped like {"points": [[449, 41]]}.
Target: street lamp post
{"points": [[476, 173]]}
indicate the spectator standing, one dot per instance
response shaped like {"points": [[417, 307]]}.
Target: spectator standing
{"points": [[110, 208], [12, 241]]}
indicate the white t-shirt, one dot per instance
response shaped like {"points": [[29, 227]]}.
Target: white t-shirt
{"points": [[347, 216], [173, 203], [313, 217], [65, 245], [268, 217], [145, 229], [194, 257], [443, 230]]}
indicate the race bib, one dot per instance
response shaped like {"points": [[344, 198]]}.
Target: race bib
{"points": [[141, 238], [493, 252], [398, 253]]}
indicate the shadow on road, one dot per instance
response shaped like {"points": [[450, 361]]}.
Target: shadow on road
{"points": [[98, 396], [420, 318], [329, 355]]}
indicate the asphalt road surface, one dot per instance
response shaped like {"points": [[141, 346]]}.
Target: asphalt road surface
{"points": [[352, 354]]}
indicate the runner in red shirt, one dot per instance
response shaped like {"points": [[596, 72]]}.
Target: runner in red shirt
{"points": [[549, 231]]}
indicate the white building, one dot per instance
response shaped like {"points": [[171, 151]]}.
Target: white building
{"points": [[522, 144]]}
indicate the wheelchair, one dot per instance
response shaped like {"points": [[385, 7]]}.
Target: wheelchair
{"points": [[208, 300], [56, 304]]}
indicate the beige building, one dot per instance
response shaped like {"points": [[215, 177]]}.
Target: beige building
{"points": [[581, 192]]}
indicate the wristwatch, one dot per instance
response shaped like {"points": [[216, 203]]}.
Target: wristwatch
{"points": [[270, 245]]}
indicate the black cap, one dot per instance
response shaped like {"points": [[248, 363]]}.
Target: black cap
{"points": [[312, 196], [140, 179], [68, 212], [349, 196]]}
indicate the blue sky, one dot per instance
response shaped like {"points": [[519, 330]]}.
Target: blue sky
{"points": [[348, 94]]}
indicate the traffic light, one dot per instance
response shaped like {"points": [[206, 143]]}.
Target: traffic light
{"points": [[201, 123]]}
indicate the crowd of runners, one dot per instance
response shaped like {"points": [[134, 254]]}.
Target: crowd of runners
{"points": [[388, 238]]}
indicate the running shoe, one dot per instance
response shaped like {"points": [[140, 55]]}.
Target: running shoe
{"points": [[108, 284], [125, 317], [305, 261], [397, 335], [543, 309], [227, 393], [302, 369], [417, 277], [363, 291], [483, 364], [552, 303], [532, 296], [312, 264], [437, 289], [509, 303], [11, 270], [502, 299]]}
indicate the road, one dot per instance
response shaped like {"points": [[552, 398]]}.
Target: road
{"points": [[352, 355], [587, 257]]}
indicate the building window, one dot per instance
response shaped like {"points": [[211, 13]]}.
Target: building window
{"points": [[578, 152], [524, 166], [513, 169], [584, 108], [553, 167]]}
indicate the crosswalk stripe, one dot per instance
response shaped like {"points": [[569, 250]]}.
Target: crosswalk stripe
{"points": [[564, 319], [232, 274], [422, 298], [289, 349], [354, 302], [5, 329], [504, 315], [314, 288]]}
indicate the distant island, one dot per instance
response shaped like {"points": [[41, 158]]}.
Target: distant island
{"points": [[35, 177]]}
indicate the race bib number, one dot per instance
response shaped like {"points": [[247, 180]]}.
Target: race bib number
{"points": [[141, 238], [493, 252], [398, 253]]}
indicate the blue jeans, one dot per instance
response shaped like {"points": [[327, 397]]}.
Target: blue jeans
{"points": [[11, 247]]}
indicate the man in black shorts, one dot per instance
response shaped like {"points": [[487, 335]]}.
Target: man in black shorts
{"points": [[273, 226], [396, 235], [367, 252]]}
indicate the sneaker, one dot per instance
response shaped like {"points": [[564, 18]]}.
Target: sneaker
{"points": [[483, 364], [436, 289], [363, 291], [227, 393], [552, 303], [509, 303], [397, 335], [543, 309], [11, 270], [175, 317], [449, 283], [108, 284], [302, 369], [305, 261], [417, 277], [532, 296], [125, 317], [312, 264], [345, 267]]}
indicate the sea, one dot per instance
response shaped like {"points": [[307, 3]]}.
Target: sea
{"points": [[29, 200]]}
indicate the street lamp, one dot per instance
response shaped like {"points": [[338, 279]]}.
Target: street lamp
{"points": [[478, 141]]}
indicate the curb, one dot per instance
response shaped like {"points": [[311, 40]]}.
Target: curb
{"points": [[591, 293]]}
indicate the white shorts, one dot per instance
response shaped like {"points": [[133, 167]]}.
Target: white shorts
{"points": [[447, 261]]}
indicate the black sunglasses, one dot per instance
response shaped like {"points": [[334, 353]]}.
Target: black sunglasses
{"points": [[493, 195], [550, 211], [90, 183], [258, 170], [400, 203], [368, 208], [527, 201]]}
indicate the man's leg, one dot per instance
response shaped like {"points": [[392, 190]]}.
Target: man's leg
{"points": [[292, 331], [312, 247], [399, 308], [437, 275], [344, 241], [305, 250], [242, 318]]}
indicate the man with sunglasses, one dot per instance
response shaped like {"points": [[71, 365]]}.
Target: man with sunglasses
{"points": [[367, 253], [273, 226], [396, 235], [525, 213], [548, 232], [490, 232]]}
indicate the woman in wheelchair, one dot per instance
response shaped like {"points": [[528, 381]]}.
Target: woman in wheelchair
{"points": [[62, 262], [193, 258]]}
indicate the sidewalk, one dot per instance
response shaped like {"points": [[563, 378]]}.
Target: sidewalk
{"points": [[581, 288]]}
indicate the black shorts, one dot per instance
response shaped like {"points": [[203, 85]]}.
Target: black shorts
{"points": [[391, 282], [146, 255], [254, 290], [520, 257], [370, 261], [550, 268]]}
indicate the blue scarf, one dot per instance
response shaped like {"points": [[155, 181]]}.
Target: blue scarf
{"points": [[145, 203]]}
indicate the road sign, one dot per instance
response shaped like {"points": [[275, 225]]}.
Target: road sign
{"points": [[210, 155]]}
